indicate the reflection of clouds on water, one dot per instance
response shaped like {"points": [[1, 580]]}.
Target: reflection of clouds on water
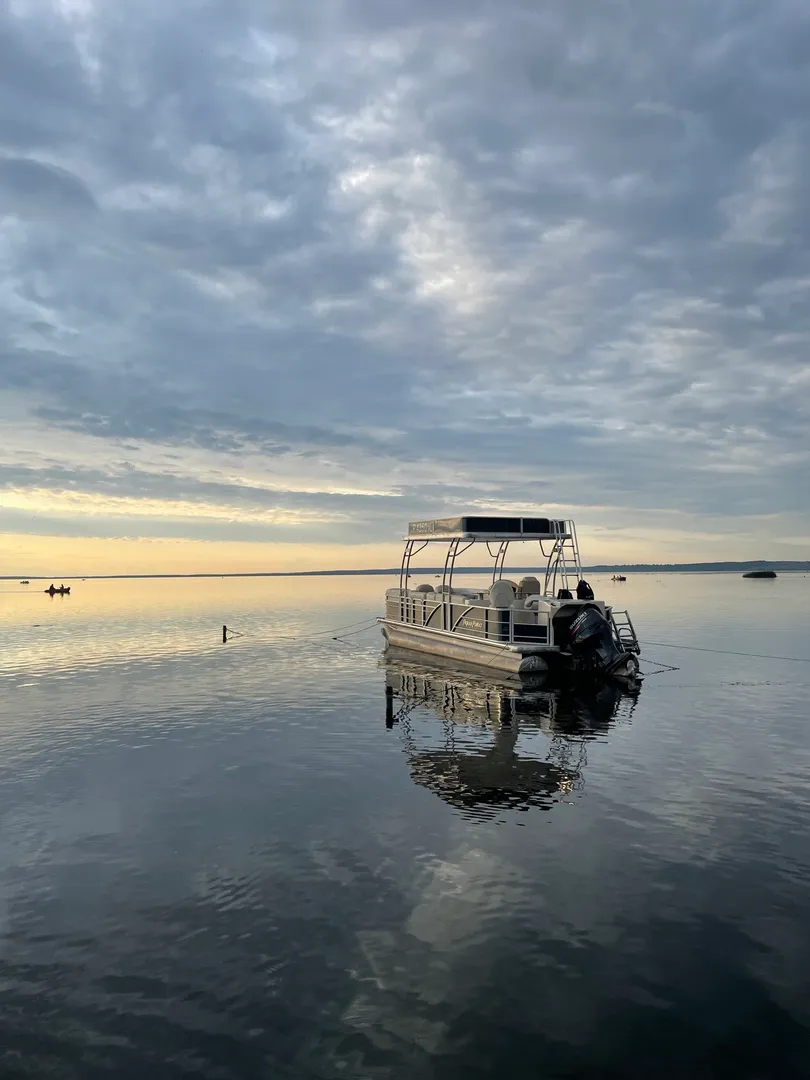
{"points": [[227, 860], [463, 897], [114, 624], [487, 748], [414, 981]]}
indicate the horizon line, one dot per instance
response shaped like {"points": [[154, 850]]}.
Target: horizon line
{"points": [[717, 566]]}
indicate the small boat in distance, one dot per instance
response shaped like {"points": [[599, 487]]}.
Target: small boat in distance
{"points": [[25, 582], [761, 574], [618, 577], [553, 624], [63, 590]]}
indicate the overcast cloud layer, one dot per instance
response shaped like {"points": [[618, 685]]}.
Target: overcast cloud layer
{"points": [[277, 270]]}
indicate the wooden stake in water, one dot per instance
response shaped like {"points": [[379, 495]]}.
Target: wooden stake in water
{"points": [[389, 706]]}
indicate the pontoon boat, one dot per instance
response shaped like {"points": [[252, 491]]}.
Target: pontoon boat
{"points": [[517, 627]]}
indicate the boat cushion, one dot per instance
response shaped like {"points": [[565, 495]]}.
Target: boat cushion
{"points": [[528, 586], [501, 594]]}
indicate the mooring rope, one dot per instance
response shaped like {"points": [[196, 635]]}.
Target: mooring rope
{"points": [[662, 667], [228, 632], [728, 652]]}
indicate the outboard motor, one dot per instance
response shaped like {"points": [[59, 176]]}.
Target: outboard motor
{"points": [[592, 643], [584, 591]]}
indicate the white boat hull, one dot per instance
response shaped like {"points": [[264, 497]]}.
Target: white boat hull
{"points": [[514, 659]]}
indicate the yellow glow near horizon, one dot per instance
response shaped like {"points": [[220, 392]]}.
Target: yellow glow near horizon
{"points": [[85, 556], [26, 555]]}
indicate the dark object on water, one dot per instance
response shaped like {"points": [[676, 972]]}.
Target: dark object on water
{"points": [[761, 573], [592, 641], [618, 577], [25, 582], [63, 590]]}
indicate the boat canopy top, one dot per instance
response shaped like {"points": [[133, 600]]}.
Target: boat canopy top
{"points": [[489, 528]]}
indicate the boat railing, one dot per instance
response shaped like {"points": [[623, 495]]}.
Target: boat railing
{"points": [[459, 613]]}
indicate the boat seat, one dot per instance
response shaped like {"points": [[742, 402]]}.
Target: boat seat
{"points": [[501, 594], [424, 588], [528, 586]]}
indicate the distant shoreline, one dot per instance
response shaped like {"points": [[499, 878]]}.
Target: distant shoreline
{"points": [[624, 568]]}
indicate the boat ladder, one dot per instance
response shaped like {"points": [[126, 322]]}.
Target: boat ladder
{"points": [[564, 568], [625, 631]]}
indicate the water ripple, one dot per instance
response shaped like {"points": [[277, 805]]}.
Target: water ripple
{"points": [[247, 859]]}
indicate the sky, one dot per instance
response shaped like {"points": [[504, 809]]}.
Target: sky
{"points": [[278, 276]]}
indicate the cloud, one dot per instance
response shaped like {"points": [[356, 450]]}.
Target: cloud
{"points": [[442, 254], [25, 181]]}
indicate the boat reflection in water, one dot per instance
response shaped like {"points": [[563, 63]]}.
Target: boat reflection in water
{"points": [[501, 744]]}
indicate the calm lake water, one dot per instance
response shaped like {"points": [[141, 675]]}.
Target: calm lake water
{"points": [[222, 861]]}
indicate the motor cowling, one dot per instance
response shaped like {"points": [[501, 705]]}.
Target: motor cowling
{"points": [[592, 642]]}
